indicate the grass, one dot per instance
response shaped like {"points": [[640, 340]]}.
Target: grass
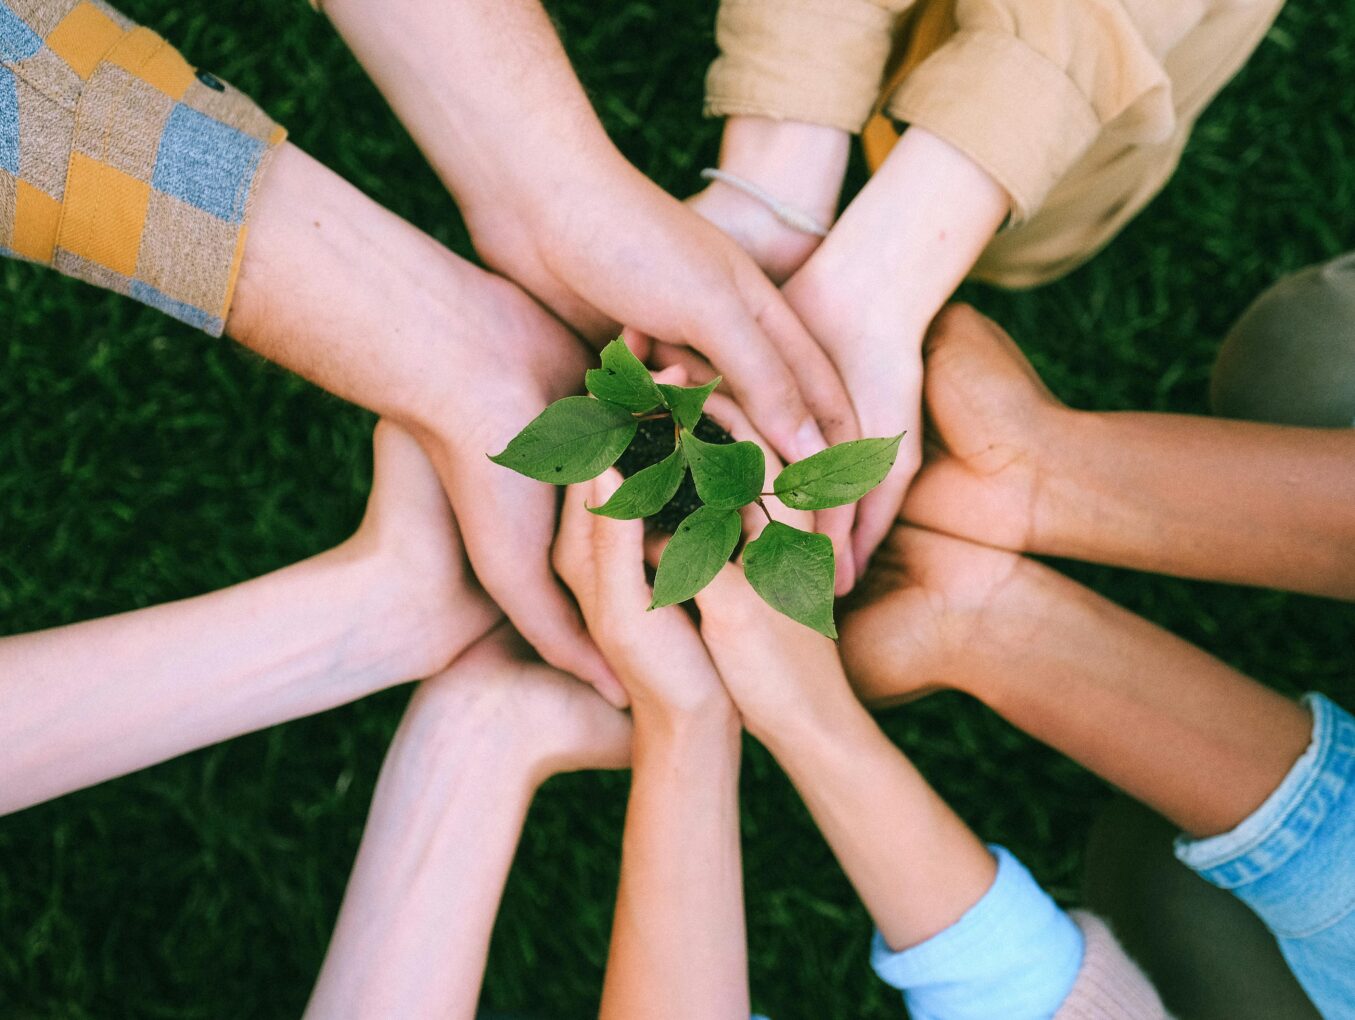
{"points": [[141, 461]]}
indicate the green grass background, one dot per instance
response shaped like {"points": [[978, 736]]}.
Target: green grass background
{"points": [[141, 461]]}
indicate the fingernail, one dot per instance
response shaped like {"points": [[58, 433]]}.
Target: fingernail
{"points": [[809, 440]]}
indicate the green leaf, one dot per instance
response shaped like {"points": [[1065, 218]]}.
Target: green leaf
{"points": [[793, 571], [572, 440], [646, 491], [686, 401], [727, 475], [623, 380], [694, 555], [840, 474]]}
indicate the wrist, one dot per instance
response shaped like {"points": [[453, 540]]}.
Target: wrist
{"points": [[796, 726], [706, 719], [1065, 446], [800, 164]]}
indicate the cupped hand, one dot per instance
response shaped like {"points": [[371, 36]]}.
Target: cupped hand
{"points": [[552, 722], [991, 420], [657, 654], [935, 612], [519, 359]]}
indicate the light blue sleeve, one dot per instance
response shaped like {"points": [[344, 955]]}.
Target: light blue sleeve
{"points": [[1014, 954], [1293, 861]]}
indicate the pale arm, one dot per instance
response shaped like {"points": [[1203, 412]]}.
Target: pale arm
{"points": [[87, 702], [414, 931], [916, 866], [678, 944]]}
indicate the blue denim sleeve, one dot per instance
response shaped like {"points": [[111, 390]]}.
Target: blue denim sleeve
{"points": [[1293, 861], [1014, 954]]}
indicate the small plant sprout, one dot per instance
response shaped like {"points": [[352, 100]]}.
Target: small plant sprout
{"points": [[578, 438]]}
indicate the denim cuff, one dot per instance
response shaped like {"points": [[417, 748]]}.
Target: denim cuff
{"points": [[1013, 954], [1291, 860]]}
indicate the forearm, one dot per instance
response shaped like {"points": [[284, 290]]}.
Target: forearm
{"points": [[914, 863], [413, 934], [341, 291], [486, 90], [678, 946], [94, 700], [1164, 721], [911, 236], [1220, 500]]}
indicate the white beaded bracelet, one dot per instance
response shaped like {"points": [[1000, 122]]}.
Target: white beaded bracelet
{"points": [[787, 214]]}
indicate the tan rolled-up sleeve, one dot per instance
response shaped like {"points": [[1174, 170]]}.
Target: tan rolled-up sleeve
{"points": [[1024, 89], [819, 61]]}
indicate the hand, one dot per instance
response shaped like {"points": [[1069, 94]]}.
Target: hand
{"points": [[879, 355], [426, 605], [937, 612], [775, 669], [867, 294], [657, 654], [515, 361], [992, 419], [797, 163], [543, 721], [622, 251]]}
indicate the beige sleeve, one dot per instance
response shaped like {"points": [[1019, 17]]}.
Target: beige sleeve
{"points": [[819, 61], [1024, 88]]}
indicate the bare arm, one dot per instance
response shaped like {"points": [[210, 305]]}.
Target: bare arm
{"points": [[679, 907], [486, 90], [413, 934], [95, 700], [1168, 724], [1232, 501], [1219, 500], [352, 297], [914, 863], [678, 944]]}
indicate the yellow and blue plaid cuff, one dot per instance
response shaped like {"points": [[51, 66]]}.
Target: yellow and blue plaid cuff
{"points": [[120, 164]]}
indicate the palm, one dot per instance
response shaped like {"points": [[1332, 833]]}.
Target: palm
{"points": [[924, 615]]}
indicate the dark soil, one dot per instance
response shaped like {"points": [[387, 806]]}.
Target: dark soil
{"points": [[653, 442]]}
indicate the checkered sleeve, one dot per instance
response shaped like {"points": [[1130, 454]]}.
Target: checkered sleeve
{"points": [[120, 164]]}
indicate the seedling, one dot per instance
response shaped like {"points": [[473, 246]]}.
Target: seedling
{"points": [[578, 438]]}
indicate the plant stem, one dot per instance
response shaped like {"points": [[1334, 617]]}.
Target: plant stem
{"points": [[653, 416], [763, 507]]}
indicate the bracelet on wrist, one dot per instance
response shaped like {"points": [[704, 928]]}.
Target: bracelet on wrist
{"points": [[787, 214]]}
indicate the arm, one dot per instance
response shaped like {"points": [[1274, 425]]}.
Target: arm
{"points": [[413, 934], [1198, 497], [487, 91], [355, 299], [95, 700], [1168, 724], [963, 930], [678, 945], [679, 906]]}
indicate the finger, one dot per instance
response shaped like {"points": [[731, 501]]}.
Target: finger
{"points": [[547, 618], [761, 380], [617, 552], [817, 377], [572, 554], [680, 356], [673, 375], [641, 344], [881, 508], [837, 524]]}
